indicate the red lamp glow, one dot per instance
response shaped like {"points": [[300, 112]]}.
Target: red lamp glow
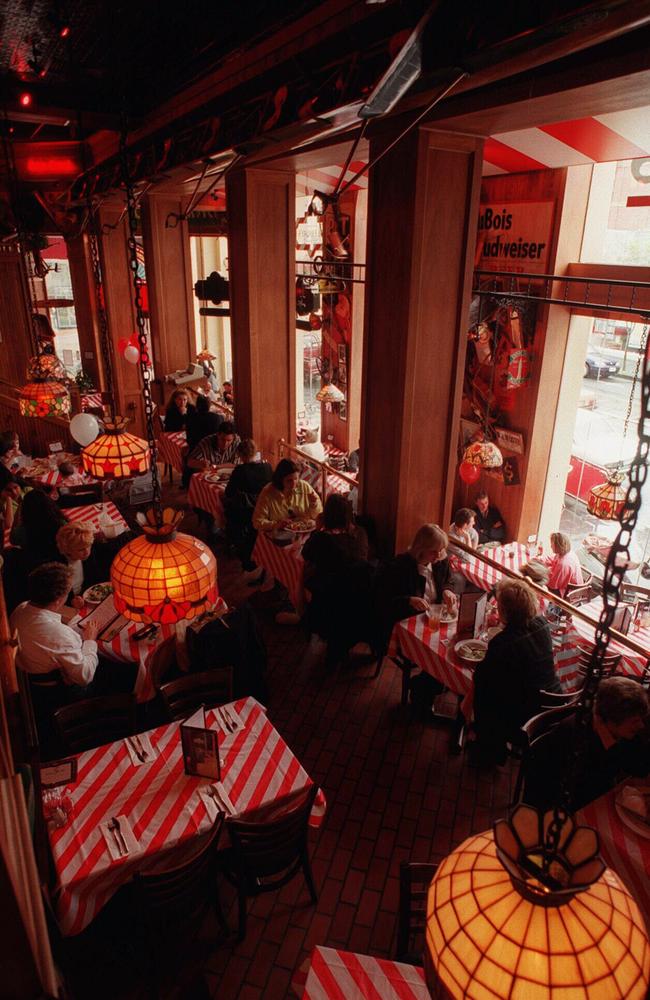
{"points": [[115, 454], [64, 31], [25, 99]]}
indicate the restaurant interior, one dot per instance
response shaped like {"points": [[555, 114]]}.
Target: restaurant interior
{"points": [[324, 430]]}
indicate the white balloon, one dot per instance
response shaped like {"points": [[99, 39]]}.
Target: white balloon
{"points": [[131, 354], [84, 428]]}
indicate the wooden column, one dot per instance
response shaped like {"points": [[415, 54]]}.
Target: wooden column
{"points": [[85, 307], [169, 283], [15, 323], [120, 310], [261, 210], [423, 203]]}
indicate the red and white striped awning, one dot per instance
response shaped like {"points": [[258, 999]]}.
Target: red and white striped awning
{"points": [[621, 135]]}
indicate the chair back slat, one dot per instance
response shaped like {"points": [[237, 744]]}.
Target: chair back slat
{"points": [[414, 881], [94, 722], [209, 688]]}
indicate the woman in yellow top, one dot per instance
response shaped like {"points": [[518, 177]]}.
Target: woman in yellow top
{"points": [[286, 497]]}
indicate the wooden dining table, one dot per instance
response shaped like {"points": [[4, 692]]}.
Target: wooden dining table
{"points": [[92, 512], [344, 975], [162, 805]]}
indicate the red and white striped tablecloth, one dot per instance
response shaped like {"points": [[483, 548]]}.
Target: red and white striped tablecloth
{"points": [[632, 664], [434, 653], [345, 975], [91, 401], [91, 513], [163, 806], [512, 556], [624, 850], [285, 563], [207, 496], [124, 648], [172, 448], [335, 484]]}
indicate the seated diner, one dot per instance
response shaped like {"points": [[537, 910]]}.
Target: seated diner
{"points": [[286, 498]]}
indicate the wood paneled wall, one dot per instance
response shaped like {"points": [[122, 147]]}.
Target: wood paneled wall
{"points": [[15, 323]]}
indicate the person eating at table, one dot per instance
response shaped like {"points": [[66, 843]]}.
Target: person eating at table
{"points": [[247, 481], [462, 529], [414, 580], [75, 542], [564, 568], [338, 577], [215, 449], [489, 522], [10, 449], [46, 644], [201, 423], [518, 665], [286, 498], [617, 745], [178, 410]]}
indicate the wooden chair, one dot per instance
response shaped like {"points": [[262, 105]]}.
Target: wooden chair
{"points": [[579, 595], [414, 881], [267, 853], [610, 663], [533, 730], [555, 699], [209, 688], [96, 721], [170, 905]]}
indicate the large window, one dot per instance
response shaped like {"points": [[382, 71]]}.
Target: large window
{"points": [[617, 228], [59, 303]]}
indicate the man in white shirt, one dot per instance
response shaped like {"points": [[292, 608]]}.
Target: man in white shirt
{"points": [[45, 642], [462, 528]]}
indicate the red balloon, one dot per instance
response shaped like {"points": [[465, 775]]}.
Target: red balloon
{"points": [[469, 473], [134, 339], [122, 344]]}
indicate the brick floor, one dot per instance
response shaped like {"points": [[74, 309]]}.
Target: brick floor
{"points": [[393, 793]]}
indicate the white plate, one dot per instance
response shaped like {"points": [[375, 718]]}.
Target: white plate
{"points": [[217, 478], [464, 647], [448, 619], [88, 594], [300, 530]]}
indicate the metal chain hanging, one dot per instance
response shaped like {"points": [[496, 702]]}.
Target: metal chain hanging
{"points": [[145, 369], [635, 379], [615, 568], [105, 339]]}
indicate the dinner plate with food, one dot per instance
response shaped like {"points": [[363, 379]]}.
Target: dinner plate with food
{"points": [[633, 807], [97, 593], [218, 478], [471, 650], [300, 525], [448, 615]]}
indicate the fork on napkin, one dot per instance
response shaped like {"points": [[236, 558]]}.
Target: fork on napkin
{"points": [[140, 749], [228, 720], [216, 800], [119, 837]]}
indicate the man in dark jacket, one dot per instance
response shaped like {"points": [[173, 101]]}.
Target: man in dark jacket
{"points": [[617, 745], [517, 666], [489, 522]]}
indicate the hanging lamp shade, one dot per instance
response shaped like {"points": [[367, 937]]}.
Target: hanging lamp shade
{"points": [[606, 500], [483, 453], [116, 454], [46, 366], [42, 396], [329, 393], [494, 930], [163, 576]]}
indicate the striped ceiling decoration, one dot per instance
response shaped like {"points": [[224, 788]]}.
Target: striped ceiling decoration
{"points": [[621, 135]]}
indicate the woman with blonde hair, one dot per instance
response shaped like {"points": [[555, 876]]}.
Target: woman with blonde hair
{"points": [[414, 580], [518, 665], [75, 543]]}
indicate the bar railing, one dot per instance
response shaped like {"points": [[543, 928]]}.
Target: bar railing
{"points": [[323, 468], [547, 595]]}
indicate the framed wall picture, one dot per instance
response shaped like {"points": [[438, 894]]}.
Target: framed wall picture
{"points": [[343, 354], [343, 411]]}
